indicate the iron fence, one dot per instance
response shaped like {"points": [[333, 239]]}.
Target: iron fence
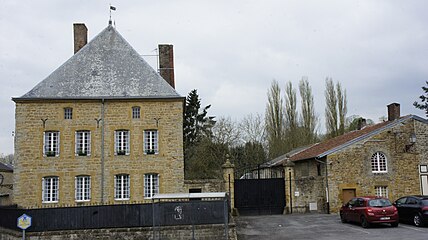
{"points": [[196, 212]]}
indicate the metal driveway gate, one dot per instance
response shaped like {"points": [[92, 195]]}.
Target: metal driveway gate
{"points": [[260, 196]]}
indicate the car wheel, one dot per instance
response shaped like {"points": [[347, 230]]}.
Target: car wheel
{"points": [[364, 222], [394, 224], [342, 218], [417, 220]]}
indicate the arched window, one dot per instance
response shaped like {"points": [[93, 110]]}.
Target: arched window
{"points": [[379, 163]]}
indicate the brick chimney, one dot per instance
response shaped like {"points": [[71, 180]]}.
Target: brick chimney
{"points": [[80, 36], [166, 63], [393, 111]]}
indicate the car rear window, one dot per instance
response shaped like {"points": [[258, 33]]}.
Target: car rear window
{"points": [[379, 203], [425, 202]]}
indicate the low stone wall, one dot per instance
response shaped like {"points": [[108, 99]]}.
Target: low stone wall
{"points": [[206, 185], [201, 232]]}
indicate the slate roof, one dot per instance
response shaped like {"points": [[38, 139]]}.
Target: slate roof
{"points": [[338, 143], [107, 67], [5, 168]]}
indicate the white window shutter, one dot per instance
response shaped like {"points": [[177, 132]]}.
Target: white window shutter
{"points": [[115, 147], [90, 187], [89, 143], [57, 185], [43, 189], [75, 188], [44, 143], [115, 181], [75, 142], [58, 147], [128, 143]]}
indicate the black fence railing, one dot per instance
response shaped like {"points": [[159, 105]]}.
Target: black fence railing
{"points": [[261, 171], [195, 212]]}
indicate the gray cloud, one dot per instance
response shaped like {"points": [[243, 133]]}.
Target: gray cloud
{"points": [[231, 50]]}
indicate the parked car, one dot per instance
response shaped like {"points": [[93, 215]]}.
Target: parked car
{"points": [[368, 211], [413, 209]]}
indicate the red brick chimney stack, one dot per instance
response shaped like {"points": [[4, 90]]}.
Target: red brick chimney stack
{"points": [[393, 111], [166, 63], [80, 36]]}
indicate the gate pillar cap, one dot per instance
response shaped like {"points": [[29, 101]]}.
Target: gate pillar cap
{"points": [[228, 164], [289, 163]]}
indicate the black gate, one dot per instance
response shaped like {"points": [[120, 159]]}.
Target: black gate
{"points": [[260, 196]]}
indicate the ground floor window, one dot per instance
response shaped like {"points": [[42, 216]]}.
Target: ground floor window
{"points": [[151, 185], [122, 187], [83, 188], [50, 190], [381, 191]]}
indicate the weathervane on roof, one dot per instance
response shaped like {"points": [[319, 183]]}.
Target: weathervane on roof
{"points": [[114, 9]]}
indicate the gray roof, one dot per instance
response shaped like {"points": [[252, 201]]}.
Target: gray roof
{"points": [[107, 67]]}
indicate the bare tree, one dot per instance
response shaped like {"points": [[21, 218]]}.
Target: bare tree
{"points": [[226, 132], [253, 129], [308, 119], [275, 122], [291, 122], [331, 108], [336, 108], [342, 107]]}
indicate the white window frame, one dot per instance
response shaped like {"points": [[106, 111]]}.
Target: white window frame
{"points": [[50, 189], [82, 188], [51, 142], [136, 112], [121, 141], [122, 190], [381, 191], [83, 143], [379, 163], [151, 141], [68, 113], [151, 185]]}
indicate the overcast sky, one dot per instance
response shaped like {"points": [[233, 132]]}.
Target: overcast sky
{"points": [[231, 50]]}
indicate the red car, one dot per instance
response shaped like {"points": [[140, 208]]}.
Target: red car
{"points": [[369, 210]]}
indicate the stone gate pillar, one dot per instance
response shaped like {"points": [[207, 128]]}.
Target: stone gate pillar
{"points": [[229, 180], [290, 186]]}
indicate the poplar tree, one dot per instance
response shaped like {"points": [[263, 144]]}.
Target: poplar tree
{"points": [[275, 122], [308, 119]]}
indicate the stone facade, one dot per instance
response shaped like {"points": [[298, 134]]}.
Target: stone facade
{"points": [[6, 193], [349, 168], [32, 165]]}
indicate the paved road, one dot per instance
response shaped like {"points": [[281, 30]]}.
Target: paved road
{"points": [[319, 227]]}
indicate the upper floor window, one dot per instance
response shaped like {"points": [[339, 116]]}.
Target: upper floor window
{"points": [[121, 187], [136, 112], [68, 113], [379, 163], [151, 141], [151, 185], [83, 188], [51, 143], [83, 143], [381, 191], [50, 189], [121, 142]]}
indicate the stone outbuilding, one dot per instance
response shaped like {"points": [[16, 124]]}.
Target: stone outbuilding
{"points": [[6, 184], [103, 128], [387, 159]]}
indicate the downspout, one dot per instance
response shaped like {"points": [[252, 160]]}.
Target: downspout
{"points": [[102, 151], [327, 191]]}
